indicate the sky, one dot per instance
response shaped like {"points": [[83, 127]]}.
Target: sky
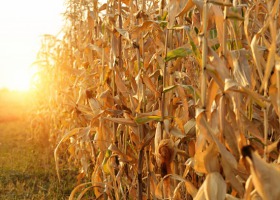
{"points": [[22, 23]]}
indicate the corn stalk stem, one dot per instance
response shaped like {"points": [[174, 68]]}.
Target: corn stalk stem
{"points": [[120, 39], [140, 127], [204, 54], [114, 87], [278, 88], [162, 3], [265, 132], [270, 63], [149, 174], [148, 188], [224, 44], [139, 175], [222, 117], [164, 79]]}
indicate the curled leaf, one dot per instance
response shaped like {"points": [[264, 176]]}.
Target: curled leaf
{"points": [[265, 176]]}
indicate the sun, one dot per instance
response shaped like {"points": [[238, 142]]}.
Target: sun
{"points": [[20, 80]]}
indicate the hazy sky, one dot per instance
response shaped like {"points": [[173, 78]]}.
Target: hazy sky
{"points": [[22, 22]]}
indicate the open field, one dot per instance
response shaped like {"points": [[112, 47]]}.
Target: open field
{"points": [[26, 165]]}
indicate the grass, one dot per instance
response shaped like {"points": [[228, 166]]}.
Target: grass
{"points": [[27, 169]]}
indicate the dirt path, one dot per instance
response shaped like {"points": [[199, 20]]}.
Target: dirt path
{"points": [[26, 166]]}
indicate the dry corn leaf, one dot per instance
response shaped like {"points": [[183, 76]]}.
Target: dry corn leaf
{"points": [[265, 176], [232, 14], [121, 85], [149, 83], [273, 94], [194, 47], [210, 135], [81, 195], [169, 88], [122, 156], [270, 64], [63, 139], [184, 100], [147, 25], [215, 75], [188, 6], [189, 126], [96, 177], [219, 22], [212, 91], [124, 121], [248, 188], [100, 139], [108, 68], [213, 188], [241, 71], [219, 65], [146, 141], [191, 189], [107, 99], [230, 197], [234, 86], [206, 161], [173, 8], [230, 177], [76, 189], [273, 146], [94, 105], [256, 55], [177, 133]]}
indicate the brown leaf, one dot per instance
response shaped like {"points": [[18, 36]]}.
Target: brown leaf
{"points": [[213, 188], [122, 156], [212, 92], [124, 121], [94, 105], [210, 135], [207, 160], [256, 54], [121, 85], [219, 21], [152, 86], [189, 5], [265, 176], [219, 65], [144, 27], [173, 9], [241, 71], [184, 100], [231, 177]]}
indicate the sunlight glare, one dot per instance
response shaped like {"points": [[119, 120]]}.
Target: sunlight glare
{"points": [[20, 80], [22, 27]]}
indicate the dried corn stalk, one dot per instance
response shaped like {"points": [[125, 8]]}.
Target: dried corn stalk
{"points": [[163, 96]]}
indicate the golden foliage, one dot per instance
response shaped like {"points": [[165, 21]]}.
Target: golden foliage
{"points": [[153, 96]]}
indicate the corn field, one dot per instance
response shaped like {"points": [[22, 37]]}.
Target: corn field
{"points": [[164, 99]]}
